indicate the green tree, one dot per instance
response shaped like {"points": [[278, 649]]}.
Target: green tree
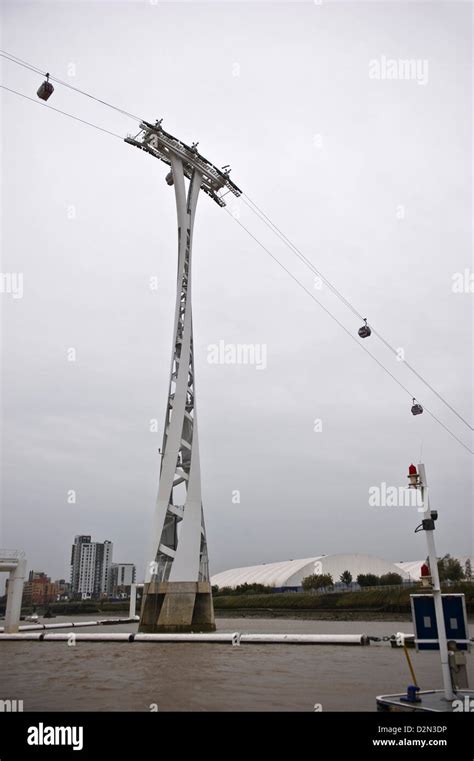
{"points": [[310, 582], [346, 578], [391, 579], [326, 581], [468, 569], [450, 569], [252, 589], [317, 581], [368, 580]]}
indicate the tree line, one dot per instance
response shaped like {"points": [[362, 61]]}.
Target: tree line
{"points": [[449, 569], [324, 581]]}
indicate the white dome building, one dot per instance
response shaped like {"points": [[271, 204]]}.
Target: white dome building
{"points": [[288, 574]]}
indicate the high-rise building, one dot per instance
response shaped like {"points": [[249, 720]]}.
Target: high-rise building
{"points": [[90, 567], [122, 576], [76, 560]]}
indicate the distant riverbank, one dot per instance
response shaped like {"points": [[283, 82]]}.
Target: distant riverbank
{"points": [[75, 608], [312, 615], [369, 604], [364, 605]]}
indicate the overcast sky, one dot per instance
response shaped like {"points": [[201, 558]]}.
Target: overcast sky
{"points": [[370, 177]]}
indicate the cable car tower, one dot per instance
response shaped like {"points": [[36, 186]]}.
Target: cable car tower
{"points": [[177, 592]]}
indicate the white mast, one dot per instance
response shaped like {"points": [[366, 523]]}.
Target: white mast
{"points": [[428, 525]]}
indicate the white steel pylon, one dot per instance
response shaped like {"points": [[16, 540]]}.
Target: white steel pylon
{"points": [[177, 592]]}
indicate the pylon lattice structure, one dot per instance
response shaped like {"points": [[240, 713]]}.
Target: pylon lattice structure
{"points": [[177, 593]]}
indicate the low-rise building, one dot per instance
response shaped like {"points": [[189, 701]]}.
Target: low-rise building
{"points": [[63, 589], [39, 589], [122, 576]]}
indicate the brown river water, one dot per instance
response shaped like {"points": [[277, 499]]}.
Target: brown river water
{"points": [[108, 676]]}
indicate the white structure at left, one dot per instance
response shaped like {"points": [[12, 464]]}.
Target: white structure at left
{"points": [[14, 563]]}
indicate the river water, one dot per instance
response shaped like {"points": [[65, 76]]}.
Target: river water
{"points": [[52, 676]]}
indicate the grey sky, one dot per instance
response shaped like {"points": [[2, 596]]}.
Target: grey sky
{"points": [[281, 91]]}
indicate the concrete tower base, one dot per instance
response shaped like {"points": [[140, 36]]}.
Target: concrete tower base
{"points": [[177, 606]]}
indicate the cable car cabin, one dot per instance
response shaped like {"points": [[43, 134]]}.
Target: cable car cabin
{"points": [[416, 409], [365, 331], [45, 90]]}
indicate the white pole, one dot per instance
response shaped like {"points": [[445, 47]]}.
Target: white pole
{"points": [[133, 600], [438, 600], [15, 594]]}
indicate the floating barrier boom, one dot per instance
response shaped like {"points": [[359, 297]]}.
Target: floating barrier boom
{"points": [[233, 638]]}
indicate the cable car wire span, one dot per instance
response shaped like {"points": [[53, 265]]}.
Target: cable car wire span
{"points": [[349, 333], [278, 232]]}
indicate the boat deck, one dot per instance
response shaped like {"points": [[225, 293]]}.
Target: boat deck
{"points": [[431, 701]]}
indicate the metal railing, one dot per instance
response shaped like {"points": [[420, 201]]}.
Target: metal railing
{"points": [[6, 554]]}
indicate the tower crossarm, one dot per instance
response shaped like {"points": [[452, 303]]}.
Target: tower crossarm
{"points": [[160, 144]]}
